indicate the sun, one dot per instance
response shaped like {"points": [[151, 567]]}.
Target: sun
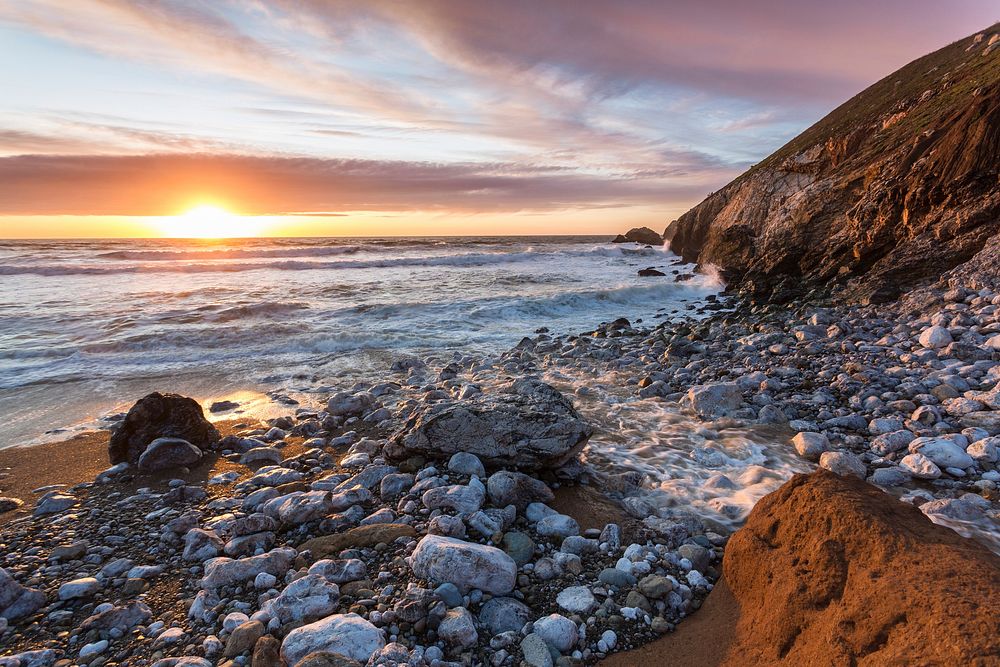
{"points": [[208, 221]]}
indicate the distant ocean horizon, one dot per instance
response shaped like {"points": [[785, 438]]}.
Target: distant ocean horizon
{"points": [[89, 325]]}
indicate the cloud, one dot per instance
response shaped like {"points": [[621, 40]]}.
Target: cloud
{"points": [[777, 51], [190, 36], [164, 184], [513, 105]]}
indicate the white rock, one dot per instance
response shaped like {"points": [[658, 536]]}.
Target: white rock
{"points": [[461, 498], [466, 564], [535, 651], [557, 631], [920, 466], [200, 545], [170, 636], [79, 588], [465, 463], [346, 634], [234, 620], [942, 451], [306, 599], [226, 571], [557, 525], [714, 400], [340, 571], [576, 600], [935, 337], [986, 450], [54, 502], [96, 648], [535, 512], [810, 445], [844, 464]]}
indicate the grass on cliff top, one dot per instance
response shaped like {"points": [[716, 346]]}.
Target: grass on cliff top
{"points": [[968, 71]]}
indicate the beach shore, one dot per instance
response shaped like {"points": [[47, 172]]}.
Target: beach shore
{"points": [[563, 559]]}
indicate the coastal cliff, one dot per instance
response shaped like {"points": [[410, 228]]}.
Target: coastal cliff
{"points": [[894, 187]]}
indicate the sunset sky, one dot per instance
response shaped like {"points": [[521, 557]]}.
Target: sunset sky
{"points": [[424, 117]]}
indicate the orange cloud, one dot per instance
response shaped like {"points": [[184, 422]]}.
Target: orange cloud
{"points": [[164, 184]]}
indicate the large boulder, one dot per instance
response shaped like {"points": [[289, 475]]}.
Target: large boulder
{"points": [[527, 424], [829, 570], [639, 235], [348, 635], [468, 565], [160, 416], [17, 600], [306, 599]]}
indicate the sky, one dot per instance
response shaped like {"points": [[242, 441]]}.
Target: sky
{"points": [[430, 117]]}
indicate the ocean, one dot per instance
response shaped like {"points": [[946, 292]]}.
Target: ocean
{"points": [[89, 326]]}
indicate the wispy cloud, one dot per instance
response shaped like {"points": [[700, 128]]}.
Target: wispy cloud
{"points": [[161, 184], [506, 105]]}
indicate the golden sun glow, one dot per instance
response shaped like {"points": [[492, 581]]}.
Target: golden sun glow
{"points": [[207, 221]]}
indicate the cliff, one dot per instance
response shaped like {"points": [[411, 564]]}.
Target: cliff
{"points": [[892, 188]]}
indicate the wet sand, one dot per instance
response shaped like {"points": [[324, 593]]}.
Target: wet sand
{"points": [[701, 640], [67, 462], [80, 459]]}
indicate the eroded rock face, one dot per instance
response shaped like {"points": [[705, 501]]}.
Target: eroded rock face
{"points": [[160, 416], [896, 185], [830, 570], [527, 424]]}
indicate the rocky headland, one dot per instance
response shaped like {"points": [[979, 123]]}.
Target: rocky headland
{"points": [[892, 188], [457, 511]]}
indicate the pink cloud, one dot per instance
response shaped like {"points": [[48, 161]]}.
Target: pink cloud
{"points": [[162, 184]]}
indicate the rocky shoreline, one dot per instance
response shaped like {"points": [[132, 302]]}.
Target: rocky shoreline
{"points": [[413, 521]]}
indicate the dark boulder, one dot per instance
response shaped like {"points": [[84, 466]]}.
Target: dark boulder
{"points": [[16, 600], [639, 235], [526, 424], [650, 273], [160, 416]]}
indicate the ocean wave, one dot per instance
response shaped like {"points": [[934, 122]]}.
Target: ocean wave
{"points": [[228, 253], [458, 260], [267, 309], [570, 303]]}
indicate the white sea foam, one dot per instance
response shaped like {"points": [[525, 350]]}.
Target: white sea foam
{"points": [[175, 265]]}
